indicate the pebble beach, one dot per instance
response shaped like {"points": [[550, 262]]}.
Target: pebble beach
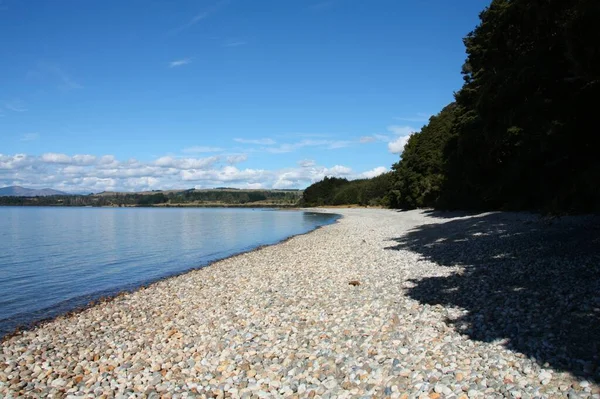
{"points": [[380, 304]]}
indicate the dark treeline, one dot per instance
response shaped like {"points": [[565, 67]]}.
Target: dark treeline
{"points": [[339, 191], [177, 198], [520, 133], [237, 196]]}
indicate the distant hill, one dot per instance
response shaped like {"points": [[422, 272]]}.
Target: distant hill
{"points": [[17, 191], [18, 196]]}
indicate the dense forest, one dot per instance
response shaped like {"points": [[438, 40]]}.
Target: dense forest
{"points": [[339, 191], [520, 133], [216, 197]]}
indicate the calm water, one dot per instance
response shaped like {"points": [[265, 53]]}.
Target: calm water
{"points": [[55, 259]]}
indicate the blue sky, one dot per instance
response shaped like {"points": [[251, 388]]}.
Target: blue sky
{"points": [[133, 95]]}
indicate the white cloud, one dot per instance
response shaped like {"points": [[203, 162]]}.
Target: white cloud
{"points": [[107, 159], [265, 141], [178, 63], [227, 174], [382, 137], [401, 130], [305, 135], [403, 133], [15, 162], [307, 175], [254, 186], [193, 21], [367, 139], [324, 144], [199, 17], [84, 159], [91, 173], [374, 172], [200, 149], [236, 158], [337, 144], [15, 106], [339, 170], [186, 163], [397, 146], [52, 157], [307, 163]]}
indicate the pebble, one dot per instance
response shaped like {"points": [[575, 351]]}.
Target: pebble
{"points": [[284, 321]]}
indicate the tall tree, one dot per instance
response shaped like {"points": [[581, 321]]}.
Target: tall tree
{"points": [[523, 136], [419, 175]]}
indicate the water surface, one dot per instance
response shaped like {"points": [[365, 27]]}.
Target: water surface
{"points": [[53, 260]]}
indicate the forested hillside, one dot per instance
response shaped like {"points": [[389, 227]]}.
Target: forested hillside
{"points": [[520, 133], [338, 191], [192, 197]]}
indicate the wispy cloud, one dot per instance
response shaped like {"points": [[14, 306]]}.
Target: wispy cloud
{"points": [[256, 141], [323, 144], [236, 158], [401, 130], [66, 82], [307, 163], [200, 149], [375, 137], [53, 72], [397, 138], [198, 17], [234, 43], [306, 135], [178, 63], [15, 106], [271, 146], [30, 137]]}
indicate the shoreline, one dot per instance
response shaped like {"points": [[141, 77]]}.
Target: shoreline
{"points": [[25, 327], [374, 305]]}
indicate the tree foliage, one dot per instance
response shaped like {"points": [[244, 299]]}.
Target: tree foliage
{"points": [[523, 136], [520, 134], [340, 191], [215, 197], [419, 176]]}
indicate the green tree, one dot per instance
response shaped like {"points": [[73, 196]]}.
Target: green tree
{"points": [[419, 175], [524, 137]]}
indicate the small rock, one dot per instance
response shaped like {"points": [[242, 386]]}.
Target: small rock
{"points": [[58, 383]]}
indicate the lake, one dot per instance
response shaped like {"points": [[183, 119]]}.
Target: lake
{"points": [[53, 260]]}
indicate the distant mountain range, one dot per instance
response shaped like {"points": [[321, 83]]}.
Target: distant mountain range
{"points": [[17, 191]]}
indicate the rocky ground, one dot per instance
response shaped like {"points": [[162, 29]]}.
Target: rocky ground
{"points": [[381, 304]]}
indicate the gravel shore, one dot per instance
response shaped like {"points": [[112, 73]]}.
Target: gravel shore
{"points": [[381, 304]]}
